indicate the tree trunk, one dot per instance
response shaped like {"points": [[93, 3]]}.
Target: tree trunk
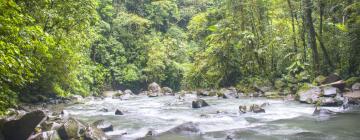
{"points": [[319, 37], [311, 35], [293, 25]]}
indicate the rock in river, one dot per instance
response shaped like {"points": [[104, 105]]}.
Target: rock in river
{"points": [[105, 126], [199, 103], [256, 109], [21, 129], [118, 112]]}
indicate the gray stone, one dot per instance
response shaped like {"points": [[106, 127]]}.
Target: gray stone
{"points": [[330, 91]]}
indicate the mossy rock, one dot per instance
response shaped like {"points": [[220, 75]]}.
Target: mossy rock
{"points": [[349, 82], [304, 87], [318, 80], [279, 84]]}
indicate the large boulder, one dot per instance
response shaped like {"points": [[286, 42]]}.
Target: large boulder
{"points": [[309, 95], [199, 103], [74, 129], [103, 125], [22, 128], [229, 93], [154, 90], [329, 91], [188, 127]]}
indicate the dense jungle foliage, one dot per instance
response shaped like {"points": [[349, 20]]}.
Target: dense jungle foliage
{"points": [[61, 47]]}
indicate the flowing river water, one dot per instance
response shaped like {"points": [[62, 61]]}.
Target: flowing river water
{"points": [[283, 119]]}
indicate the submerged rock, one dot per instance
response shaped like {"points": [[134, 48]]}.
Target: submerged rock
{"points": [[22, 128], [188, 127], [103, 125], [322, 112], [199, 103], [104, 110]]}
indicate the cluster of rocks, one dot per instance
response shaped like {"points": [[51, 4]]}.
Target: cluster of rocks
{"points": [[331, 91], [253, 108], [40, 125]]}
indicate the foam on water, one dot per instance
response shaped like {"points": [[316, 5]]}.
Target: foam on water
{"points": [[160, 114]]}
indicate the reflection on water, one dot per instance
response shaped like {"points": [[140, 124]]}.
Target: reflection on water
{"points": [[282, 120]]}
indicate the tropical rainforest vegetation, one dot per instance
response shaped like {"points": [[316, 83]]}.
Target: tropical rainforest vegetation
{"points": [[61, 47]]}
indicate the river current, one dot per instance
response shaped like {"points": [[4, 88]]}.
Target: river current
{"points": [[283, 120]]}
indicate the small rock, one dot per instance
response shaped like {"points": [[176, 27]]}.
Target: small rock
{"points": [[128, 91], [242, 108], [103, 125], [167, 91], [118, 112], [355, 86], [104, 110], [199, 103]]}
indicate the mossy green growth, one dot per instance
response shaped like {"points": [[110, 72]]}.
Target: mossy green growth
{"points": [[352, 80]]}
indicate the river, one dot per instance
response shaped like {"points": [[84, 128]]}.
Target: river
{"points": [[283, 119]]}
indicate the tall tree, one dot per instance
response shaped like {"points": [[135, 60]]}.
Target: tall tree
{"points": [[311, 34]]}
